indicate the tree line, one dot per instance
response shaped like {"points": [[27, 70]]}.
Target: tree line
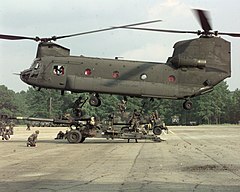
{"points": [[218, 107]]}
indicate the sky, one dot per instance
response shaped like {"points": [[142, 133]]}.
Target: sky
{"points": [[45, 18]]}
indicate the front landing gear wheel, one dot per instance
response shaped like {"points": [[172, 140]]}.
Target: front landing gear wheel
{"points": [[74, 136], [187, 105], [94, 101]]}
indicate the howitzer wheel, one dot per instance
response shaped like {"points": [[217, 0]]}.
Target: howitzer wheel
{"points": [[125, 130], [157, 130], [74, 136]]}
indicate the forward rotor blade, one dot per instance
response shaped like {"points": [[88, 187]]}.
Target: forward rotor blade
{"points": [[161, 30], [204, 19], [54, 38], [105, 29], [141, 23], [15, 37]]}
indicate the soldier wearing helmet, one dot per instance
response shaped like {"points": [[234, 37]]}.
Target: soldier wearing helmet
{"points": [[32, 139]]}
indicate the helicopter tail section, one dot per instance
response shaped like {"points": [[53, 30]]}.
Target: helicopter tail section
{"points": [[207, 60]]}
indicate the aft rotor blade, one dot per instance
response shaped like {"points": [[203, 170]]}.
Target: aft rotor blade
{"points": [[204, 19], [161, 30], [16, 37], [229, 34], [106, 29]]}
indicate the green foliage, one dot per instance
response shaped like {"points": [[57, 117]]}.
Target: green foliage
{"points": [[21, 101], [47, 103], [233, 107], [213, 106], [219, 106], [8, 105]]}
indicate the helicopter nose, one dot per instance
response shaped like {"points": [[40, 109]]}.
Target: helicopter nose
{"points": [[24, 75]]}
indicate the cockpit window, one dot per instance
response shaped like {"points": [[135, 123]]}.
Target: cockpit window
{"points": [[58, 70], [36, 64]]}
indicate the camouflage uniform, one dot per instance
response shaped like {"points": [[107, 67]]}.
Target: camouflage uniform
{"points": [[3, 130], [152, 119], [1, 127], [60, 135], [11, 125], [122, 106], [7, 134], [32, 139], [77, 108], [135, 120]]}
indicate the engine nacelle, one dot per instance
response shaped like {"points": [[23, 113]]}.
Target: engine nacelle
{"points": [[181, 61]]}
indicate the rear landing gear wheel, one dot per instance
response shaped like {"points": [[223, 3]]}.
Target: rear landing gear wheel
{"points": [[187, 105], [95, 101], [74, 136]]}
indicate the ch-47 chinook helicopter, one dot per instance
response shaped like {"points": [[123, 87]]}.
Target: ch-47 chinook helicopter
{"points": [[194, 68]]}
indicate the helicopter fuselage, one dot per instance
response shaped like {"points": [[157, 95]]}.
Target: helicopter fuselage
{"points": [[196, 66]]}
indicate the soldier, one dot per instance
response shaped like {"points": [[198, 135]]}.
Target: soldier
{"points": [[11, 126], [135, 120], [77, 108], [7, 134], [60, 135], [3, 131], [153, 118], [32, 139], [1, 127], [28, 127], [122, 106], [111, 119], [90, 123]]}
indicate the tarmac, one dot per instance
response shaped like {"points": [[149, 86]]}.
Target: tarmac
{"points": [[194, 158]]}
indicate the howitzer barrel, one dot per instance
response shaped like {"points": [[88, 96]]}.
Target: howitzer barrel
{"points": [[32, 119], [54, 121]]}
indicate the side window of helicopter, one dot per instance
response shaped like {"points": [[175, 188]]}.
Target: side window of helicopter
{"points": [[143, 76], [58, 70], [171, 79], [115, 74]]}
